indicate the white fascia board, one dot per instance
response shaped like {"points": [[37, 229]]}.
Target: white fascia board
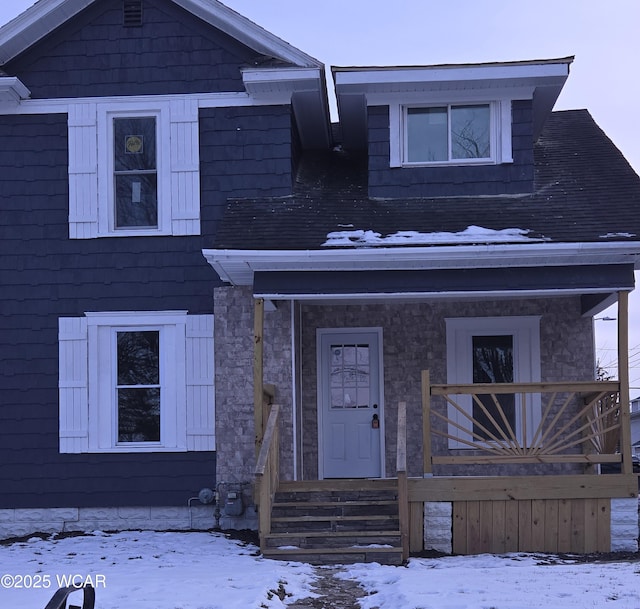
{"points": [[281, 82], [12, 90], [34, 24], [237, 266], [542, 73]]}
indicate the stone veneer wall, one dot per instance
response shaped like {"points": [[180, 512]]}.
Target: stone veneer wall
{"points": [[235, 450], [23, 522], [414, 338], [624, 525]]}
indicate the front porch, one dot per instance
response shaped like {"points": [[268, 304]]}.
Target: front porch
{"points": [[473, 467], [581, 511]]}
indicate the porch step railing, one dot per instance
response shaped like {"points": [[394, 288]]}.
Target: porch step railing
{"points": [[522, 422], [403, 489], [267, 473]]}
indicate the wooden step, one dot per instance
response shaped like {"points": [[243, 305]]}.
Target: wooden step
{"points": [[335, 521], [343, 555], [283, 509], [330, 524], [337, 539]]}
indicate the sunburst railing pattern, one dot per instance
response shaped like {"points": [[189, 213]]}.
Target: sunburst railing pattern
{"points": [[525, 422]]}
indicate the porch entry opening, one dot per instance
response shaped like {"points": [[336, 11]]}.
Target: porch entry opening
{"points": [[350, 409]]}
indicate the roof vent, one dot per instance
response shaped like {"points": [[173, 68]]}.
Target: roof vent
{"points": [[132, 13]]}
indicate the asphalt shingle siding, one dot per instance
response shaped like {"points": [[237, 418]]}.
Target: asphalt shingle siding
{"points": [[407, 182], [93, 54], [244, 151], [45, 275]]}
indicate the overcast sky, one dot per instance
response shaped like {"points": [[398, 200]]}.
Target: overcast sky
{"points": [[603, 36]]}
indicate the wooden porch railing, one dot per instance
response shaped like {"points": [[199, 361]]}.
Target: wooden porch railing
{"points": [[403, 489], [267, 473], [524, 423]]}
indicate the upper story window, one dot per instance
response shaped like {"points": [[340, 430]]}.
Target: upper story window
{"points": [[448, 133], [464, 133], [135, 172], [133, 169]]}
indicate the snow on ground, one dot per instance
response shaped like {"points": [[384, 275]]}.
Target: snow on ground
{"points": [[494, 582], [146, 570]]}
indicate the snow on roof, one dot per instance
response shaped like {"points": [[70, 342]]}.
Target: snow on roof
{"points": [[616, 235], [471, 234]]}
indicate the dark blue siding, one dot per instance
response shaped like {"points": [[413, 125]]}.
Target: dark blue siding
{"points": [[244, 152], [93, 54], [411, 182], [45, 275]]}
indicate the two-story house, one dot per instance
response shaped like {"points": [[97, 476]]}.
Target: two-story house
{"points": [[375, 336]]}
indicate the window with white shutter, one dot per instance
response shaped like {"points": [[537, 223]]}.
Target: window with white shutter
{"points": [[134, 169], [136, 382]]}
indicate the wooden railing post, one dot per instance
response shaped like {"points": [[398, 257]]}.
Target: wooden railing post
{"points": [[427, 467], [403, 489], [623, 377], [258, 351], [267, 474]]}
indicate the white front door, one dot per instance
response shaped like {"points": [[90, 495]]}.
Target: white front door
{"points": [[350, 408]]}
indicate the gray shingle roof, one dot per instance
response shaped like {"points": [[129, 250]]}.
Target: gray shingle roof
{"points": [[584, 189]]}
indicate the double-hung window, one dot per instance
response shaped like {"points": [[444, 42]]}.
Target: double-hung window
{"points": [[135, 173], [134, 168], [136, 382]]}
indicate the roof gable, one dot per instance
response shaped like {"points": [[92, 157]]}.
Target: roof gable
{"points": [[46, 15]]}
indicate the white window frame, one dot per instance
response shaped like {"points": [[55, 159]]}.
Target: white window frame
{"points": [[91, 161], [103, 402], [500, 131], [106, 174], [525, 331], [88, 373]]}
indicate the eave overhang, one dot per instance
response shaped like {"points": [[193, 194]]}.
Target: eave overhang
{"points": [[359, 87], [12, 90], [237, 267], [305, 89]]}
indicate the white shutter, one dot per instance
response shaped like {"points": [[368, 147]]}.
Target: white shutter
{"points": [[74, 412], [200, 388], [185, 168], [83, 171]]}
